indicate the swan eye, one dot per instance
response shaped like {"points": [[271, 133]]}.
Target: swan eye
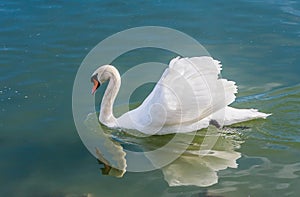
{"points": [[96, 83], [94, 77]]}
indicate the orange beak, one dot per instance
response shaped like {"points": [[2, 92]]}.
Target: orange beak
{"points": [[96, 85]]}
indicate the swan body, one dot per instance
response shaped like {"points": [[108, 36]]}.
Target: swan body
{"points": [[189, 96]]}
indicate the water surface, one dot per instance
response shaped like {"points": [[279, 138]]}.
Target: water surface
{"points": [[42, 44]]}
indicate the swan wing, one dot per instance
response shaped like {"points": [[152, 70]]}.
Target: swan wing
{"points": [[189, 90]]}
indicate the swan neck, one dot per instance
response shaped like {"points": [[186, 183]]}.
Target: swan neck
{"points": [[106, 116]]}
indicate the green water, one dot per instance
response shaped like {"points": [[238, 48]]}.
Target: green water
{"points": [[43, 43]]}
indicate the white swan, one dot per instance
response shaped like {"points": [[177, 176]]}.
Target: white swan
{"points": [[189, 96]]}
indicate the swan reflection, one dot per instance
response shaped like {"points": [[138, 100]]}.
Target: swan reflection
{"points": [[195, 166]]}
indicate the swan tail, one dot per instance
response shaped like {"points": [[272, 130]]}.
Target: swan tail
{"points": [[233, 115]]}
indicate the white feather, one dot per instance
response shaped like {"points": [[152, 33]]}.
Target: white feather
{"points": [[186, 98], [189, 96]]}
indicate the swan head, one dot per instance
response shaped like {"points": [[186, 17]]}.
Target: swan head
{"points": [[101, 75]]}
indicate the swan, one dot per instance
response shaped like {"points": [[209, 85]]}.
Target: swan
{"points": [[189, 96]]}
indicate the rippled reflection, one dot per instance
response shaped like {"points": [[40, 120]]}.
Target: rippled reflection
{"points": [[196, 166]]}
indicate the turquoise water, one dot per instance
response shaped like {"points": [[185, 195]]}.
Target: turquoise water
{"points": [[43, 43]]}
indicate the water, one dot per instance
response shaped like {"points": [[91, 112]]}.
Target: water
{"points": [[43, 43]]}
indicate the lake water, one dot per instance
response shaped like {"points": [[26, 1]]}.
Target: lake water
{"points": [[42, 45]]}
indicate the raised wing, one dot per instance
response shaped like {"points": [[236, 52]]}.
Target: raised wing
{"points": [[189, 90]]}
